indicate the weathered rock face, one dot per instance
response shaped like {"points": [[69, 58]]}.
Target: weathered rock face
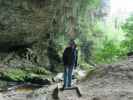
{"points": [[29, 28], [24, 17], [25, 21], [31, 24]]}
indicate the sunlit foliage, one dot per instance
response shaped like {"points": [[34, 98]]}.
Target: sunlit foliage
{"points": [[128, 28]]}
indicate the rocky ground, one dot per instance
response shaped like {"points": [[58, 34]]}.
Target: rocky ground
{"points": [[108, 82]]}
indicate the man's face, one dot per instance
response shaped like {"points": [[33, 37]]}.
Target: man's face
{"points": [[72, 45]]}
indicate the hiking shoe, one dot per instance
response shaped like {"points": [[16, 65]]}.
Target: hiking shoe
{"points": [[69, 86], [63, 88]]}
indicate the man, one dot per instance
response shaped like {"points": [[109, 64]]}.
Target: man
{"points": [[70, 61]]}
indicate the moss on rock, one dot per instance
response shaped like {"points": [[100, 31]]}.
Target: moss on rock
{"points": [[29, 74]]}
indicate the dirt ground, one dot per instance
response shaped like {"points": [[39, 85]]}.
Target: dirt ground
{"points": [[109, 82]]}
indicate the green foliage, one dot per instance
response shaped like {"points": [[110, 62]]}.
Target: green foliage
{"points": [[88, 4], [14, 74], [108, 45], [128, 44], [86, 50], [21, 74], [82, 28], [86, 66], [90, 72], [128, 28], [109, 52], [36, 70], [3, 84], [97, 42]]}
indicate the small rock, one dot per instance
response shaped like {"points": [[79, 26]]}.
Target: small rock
{"points": [[96, 98], [3, 66], [124, 68], [55, 94], [58, 77], [80, 73], [40, 81], [1, 97], [130, 75]]}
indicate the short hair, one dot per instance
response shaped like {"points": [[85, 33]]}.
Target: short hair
{"points": [[72, 42]]}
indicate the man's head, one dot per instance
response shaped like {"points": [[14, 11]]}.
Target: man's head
{"points": [[72, 43]]}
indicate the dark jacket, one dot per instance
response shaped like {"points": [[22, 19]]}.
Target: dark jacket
{"points": [[70, 57]]}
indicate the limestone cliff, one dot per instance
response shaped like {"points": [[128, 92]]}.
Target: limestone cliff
{"points": [[28, 28]]}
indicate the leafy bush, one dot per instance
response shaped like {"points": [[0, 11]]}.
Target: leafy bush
{"points": [[109, 52], [128, 28], [14, 74], [21, 74], [36, 70]]}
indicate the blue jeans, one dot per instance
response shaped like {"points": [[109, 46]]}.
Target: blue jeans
{"points": [[68, 76]]}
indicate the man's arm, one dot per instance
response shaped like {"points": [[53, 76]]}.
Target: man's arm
{"points": [[76, 58], [64, 56]]}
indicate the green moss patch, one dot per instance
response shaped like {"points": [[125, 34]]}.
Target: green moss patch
{"points": [[24, 74]]}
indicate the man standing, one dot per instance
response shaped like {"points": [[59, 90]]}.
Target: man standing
{"points": [[70, 61]]}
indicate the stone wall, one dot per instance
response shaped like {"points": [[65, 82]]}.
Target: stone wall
{"points": [[28, 26], [23, 22]]}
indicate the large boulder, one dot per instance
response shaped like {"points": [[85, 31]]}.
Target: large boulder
{"points": [[26, 24], [1, 97]]}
